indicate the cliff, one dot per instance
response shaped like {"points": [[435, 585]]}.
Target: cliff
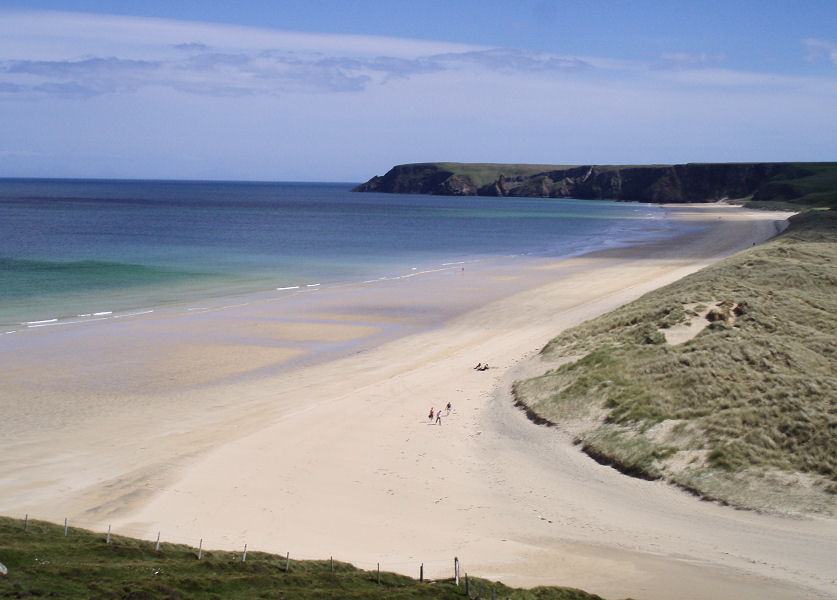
{"points": [[815, 183]]}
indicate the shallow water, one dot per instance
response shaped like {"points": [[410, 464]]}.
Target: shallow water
{"points": [[83, 249]]}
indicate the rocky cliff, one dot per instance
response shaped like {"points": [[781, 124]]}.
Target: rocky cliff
{"points": [[697, 182]]}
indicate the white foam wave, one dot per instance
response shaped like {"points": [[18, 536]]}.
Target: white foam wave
{"points": [[39, 323]]}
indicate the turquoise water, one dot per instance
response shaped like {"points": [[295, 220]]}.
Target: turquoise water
{"points": [[81, 247]]}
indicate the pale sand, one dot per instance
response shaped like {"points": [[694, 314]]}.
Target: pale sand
{"points": [[318, 448]]}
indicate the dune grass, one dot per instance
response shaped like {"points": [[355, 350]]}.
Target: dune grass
{"points": [[42, 562], [745, 411]]}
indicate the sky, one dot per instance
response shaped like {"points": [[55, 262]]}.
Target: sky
{"points": [[343, 90]]}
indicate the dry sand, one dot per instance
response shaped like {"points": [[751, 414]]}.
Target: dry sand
{"points": [[299, 424]]}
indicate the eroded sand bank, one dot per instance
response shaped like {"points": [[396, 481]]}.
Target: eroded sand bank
{"points": [[300, 425]]}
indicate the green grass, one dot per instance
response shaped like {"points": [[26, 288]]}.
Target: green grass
{"points": [[43, 563], [487, 173], [745, 411], [814, 185]]}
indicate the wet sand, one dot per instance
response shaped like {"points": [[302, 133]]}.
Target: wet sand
{"points": [[298, 423]]}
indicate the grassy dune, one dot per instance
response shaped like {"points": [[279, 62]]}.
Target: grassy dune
{"points": [[42, 562], [744, 412]]}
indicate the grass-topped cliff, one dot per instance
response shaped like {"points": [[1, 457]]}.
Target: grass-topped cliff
{"points": [[724, 382], [796, 183], [43, 562]]}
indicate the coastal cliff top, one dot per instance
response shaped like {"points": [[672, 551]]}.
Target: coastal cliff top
{"points": [[798, 183]]}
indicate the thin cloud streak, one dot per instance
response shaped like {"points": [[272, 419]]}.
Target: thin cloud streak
{"points": [[199, 58], [117, 96], [821, 49]]}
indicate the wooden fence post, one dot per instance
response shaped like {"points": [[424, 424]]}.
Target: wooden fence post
{"points": [[157, 547], [379, 573], [65, 526], [332, 564], [467, 589], [244, 556], [287, 561], [107, 541], [200, 549], [456, 569], [421, 573], [26, 522]]}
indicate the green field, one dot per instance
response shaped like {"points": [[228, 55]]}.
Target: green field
{"points": [[744, 412], [44, 563]]}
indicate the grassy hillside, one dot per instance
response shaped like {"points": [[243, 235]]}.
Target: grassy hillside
{"points": [[816, 187], [745, 411], [487, 173], [42, 562]]}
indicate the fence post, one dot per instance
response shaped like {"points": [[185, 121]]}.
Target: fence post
{"points": [[421, 573], [287, 561], [107, 541], [244, 556], [379, 573], [65, 526], [200, 549], [467, 589], [332, 564], [456, 569], [157, 547], [26, 522]]}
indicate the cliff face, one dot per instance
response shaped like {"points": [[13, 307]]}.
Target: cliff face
{"points": [[658, 184]]}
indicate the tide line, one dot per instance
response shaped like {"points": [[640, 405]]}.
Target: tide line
{"points": [[134, 314], [56, 322]]}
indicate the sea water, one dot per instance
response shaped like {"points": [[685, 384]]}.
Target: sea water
{"points": [[72, 250]]}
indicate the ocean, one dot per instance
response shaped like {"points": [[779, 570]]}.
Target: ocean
{"points": [[76, 250]]}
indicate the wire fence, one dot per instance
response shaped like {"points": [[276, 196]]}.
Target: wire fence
{"points": [[424, 571]]}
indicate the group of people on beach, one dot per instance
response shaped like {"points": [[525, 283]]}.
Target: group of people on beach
{"points": [[481, 367], [438, 414]]}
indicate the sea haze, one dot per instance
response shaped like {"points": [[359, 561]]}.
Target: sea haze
{"points": [[84, 249]]}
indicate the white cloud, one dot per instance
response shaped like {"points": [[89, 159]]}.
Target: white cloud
{"points": [[821, 49], [685, 60], [117, 96]]}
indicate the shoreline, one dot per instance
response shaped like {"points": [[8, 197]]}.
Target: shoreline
{"points": [[379, 481]]}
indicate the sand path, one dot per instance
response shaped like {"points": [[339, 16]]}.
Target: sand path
{"points": [[339, 459]]}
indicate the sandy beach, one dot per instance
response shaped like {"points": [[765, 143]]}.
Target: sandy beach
{"points": [[300, 424]]}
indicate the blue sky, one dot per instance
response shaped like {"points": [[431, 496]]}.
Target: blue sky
{"points": [[341, 91]]}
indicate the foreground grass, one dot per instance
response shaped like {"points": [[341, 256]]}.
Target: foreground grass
{"points": [[745, 411], [42, 562]]}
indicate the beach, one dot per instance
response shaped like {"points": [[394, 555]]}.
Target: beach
{"points": [[300, 425]]}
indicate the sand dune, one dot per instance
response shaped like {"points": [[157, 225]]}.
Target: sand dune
{"points": [[334, 454]]}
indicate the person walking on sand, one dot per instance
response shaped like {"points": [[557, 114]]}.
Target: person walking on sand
{"points": [[448, 407], [439, 417], [430, 416]]}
